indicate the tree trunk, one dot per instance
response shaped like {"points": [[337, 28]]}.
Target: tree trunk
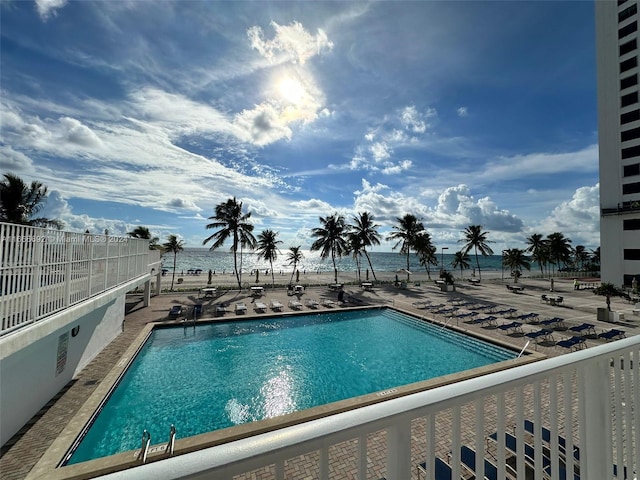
{"points": [[475, 249], [175, 255], [370, 265]]}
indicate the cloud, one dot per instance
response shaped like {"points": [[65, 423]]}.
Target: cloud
{"points": [[47, 8], [414, 121], [75, 132], [262, 125], [291, 40], [182, 204], [462, 112], [14, 161]]}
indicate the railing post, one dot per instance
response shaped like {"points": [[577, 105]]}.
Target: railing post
{"points": [[399, 449], [594, 391], [68, 251], [35, 277]]}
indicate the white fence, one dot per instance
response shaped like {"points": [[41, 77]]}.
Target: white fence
{"points": [[572, 416], [44, 271]]}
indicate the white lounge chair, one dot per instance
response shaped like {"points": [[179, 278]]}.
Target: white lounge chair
{"points": [[295, 304], [328, 303], [241, 307], [311, 303], [260, 307], [276, 306]]}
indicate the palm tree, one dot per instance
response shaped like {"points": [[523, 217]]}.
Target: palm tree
{"points": [[268, 248], [330, 239], [475, 238], [461, 259], [355, 248], [515, 259], [581, 256], [426, 252], [173, 245], [231, 223], [406, 233], [145, 234], [538, 248], [365, 228], [294, 256], [19, 202], [559, 248]]}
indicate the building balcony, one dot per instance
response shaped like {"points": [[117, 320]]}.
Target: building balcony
{"points": [[622, 208]]}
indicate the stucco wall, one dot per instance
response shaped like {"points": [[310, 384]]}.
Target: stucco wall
{"points": [[38, 361]]}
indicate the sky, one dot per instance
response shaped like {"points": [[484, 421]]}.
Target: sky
{"points": [[458, 112]]}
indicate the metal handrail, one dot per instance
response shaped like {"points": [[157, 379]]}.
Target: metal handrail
{"points": [[144, 447], [172, 440]]}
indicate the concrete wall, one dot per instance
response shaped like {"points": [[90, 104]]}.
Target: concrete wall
{"points": [[38, 361]]}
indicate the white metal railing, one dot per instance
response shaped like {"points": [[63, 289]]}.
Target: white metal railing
{"points": [[43, 271], [587, 402]]}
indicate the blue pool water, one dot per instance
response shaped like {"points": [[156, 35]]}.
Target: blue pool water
{"points": [[223, 374]]}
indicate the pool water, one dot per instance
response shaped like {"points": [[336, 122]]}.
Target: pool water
{"points": [[220, 375]]}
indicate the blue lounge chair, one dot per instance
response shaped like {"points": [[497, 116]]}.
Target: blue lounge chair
{"points": [[540, 335], [584, 329], [506, 312], [442, 470], [546, 437], [528, 317], [513, 327], [573, 343], [613, 334], [468, 458], [555, 323]]}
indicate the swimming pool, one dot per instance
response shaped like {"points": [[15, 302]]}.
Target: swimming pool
{"points": [[219, 375]]}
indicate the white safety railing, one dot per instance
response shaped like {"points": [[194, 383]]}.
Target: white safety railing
{"points": [[43, 271], [572, 416]]}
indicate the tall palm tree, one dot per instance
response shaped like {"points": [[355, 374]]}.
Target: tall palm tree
{"points": [[19, 202], [268, 248], [231, 223], [426, 251], [461, 259], [330, 239], [173, 245], [145, 234], [559, 248], [475, 238], [294, 256], [580, 256], [355, 247], [406, 234], [515, 259], [538, 248], [365, 228]]}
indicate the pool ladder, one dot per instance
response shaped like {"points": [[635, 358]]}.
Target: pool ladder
{"points": [[146, 443]]}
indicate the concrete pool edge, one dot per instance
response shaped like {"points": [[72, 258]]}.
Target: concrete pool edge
{"points": [[48, 467]]}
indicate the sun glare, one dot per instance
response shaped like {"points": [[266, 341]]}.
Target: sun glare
{"points": [[291, 90]]}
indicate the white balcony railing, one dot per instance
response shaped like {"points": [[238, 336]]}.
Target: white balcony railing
{"points": [[588, 402], [44, 271]]}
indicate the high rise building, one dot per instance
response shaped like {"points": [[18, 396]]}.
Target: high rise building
{"points": [[619, 139]]}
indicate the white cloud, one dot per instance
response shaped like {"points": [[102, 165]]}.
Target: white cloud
{"points": [[75, 132], [14, 161], [182, 204], [291, 40], [380, 151], [262, 125], [462, 112], [47, 8]]}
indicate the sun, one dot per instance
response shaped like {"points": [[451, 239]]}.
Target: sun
{"points": [[291, 90]]}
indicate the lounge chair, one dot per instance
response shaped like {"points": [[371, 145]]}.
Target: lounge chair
{"points": [[328, 303], [260, 307], [221, 309], [584, 329], [546, 437], [442, 469], [544, 335], [421, 303], [468, 459], [613, 334], [464, 316], [241, 307], [513, 327], [175, 311], [573, 343], [295, 304], [528, 317], [556, 323], [490, 321], [311, 303], [276, 306], [507, 312]]}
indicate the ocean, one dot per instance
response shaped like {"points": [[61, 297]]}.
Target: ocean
{"points": [[221, 261]]}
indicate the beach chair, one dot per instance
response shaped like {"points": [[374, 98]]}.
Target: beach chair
{"points": [[544, 335], [584, 329], [328, 303], [442, 469], [276, 306], [468, 459], [260, 307], [221, 309], [311, 303], [513, 327], [240, 307], [573, 343], [507, 312], [490, 321], [613, 334], [546, 437], [556, 323], [295, 304], [175, 311]]}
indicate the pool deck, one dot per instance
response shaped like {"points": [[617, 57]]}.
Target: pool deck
{"points": [[21, 454]]}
